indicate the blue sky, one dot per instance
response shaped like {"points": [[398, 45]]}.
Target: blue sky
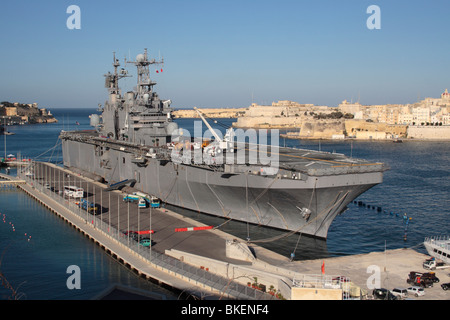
{"points": [[227, 53]]}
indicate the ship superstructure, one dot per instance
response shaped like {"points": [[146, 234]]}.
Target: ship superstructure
{"points": [[438, 247], [136, 140]]}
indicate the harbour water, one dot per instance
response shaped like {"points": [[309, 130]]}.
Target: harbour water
{"points": [[38, 247]]}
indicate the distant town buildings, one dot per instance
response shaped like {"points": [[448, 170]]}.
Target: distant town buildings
{"points": [[430, 111], [425, 119], [24, 113], [428, 119]]}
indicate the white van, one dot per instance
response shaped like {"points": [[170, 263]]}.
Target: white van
{"points": [[73, 192]]}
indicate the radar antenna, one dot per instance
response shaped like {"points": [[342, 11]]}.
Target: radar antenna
{"points": [[144, 83], [112, 80]]}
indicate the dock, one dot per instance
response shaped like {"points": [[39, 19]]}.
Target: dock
{"points": [[7, 183], [107, 228], [10, 183], [203, 261]]}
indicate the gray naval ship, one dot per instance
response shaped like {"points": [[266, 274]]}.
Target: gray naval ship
{"points": [[136, 142]]}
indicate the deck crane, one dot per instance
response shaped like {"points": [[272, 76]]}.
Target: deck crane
{"points": [[220, 144]]}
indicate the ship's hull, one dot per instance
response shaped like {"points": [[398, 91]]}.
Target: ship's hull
{"points": [[438, 247], [264, 200]]}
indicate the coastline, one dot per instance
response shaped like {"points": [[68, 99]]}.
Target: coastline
{"points": [[223, 113], [24, 113], [373, 140], [427, 120], [360, 130]]}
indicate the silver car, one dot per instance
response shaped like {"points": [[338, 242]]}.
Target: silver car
{"points": [[417, 291], [401, 293]]}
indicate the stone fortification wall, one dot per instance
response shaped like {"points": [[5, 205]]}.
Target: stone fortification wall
{"points": [[340, 128], [429, 132], [210, 112], [281, 114], [285, 110], [361, 129], [322, 129], [268, 122], [287, 114], [30, 113]]}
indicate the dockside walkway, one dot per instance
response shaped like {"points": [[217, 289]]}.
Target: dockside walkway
{"points": [[149, 264]]}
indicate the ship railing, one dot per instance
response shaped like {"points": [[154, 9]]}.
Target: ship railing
{"points": [[442, 241], [194, 275], [197, 276], [345, 168], [437, 238]]}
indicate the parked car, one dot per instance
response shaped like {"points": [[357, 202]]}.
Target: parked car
{"points": [[431, 276], [445, 286], [383, 294], [400, 292], [89, 206], [133, 235], [416, 290], [432, 264], [417, 279], [146, 242]]}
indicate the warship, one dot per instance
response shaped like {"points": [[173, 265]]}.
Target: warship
{"points": [[135, 142]]}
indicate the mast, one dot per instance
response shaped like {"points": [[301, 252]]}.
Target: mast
{"points": [[144, 83], [138, 115], [4, 132], [112, 80]]}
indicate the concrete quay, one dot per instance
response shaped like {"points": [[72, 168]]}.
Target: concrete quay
{"points": [[210, 263], [106, 228], [393, 266]]}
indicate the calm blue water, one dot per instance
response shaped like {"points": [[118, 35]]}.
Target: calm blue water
{"points": [[418, 184]]}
